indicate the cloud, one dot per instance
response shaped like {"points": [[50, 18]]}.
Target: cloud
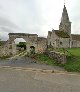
{"points": [[5, 22], [36, 16]]}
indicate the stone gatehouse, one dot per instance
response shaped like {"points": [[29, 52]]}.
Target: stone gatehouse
{"points": [[32, 40]]}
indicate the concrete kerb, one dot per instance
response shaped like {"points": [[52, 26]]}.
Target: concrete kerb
{"points": [[31, 69], [40, 70]]}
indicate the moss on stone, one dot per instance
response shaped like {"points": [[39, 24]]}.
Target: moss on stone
{"points": [[62, 34]]}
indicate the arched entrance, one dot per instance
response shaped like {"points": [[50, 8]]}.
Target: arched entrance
{"points": [[32, 49], [20, 44], [30, 39]]}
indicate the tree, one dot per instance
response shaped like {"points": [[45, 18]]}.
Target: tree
{"points": [[22, 45]]}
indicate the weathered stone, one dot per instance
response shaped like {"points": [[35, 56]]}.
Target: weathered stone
{"points": [[9, 48], [60, 57]]}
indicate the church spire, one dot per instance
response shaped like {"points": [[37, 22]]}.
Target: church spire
{"points": [[65, 24], [65, 17]]}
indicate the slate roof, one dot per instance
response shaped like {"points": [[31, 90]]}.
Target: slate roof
{"points": [[75, 37], [62, 34], [41, 38]]}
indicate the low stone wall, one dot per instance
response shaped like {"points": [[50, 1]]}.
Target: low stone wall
{"points": [[4, 50], [60, 57]]}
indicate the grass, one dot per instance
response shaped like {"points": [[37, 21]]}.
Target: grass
{"points": [[70, 51], [74, 51], [72, 66], [42, 58], [73, 60]]}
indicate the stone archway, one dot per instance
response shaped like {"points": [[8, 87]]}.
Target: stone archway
{"points": [[31, 40], [21, 44]]}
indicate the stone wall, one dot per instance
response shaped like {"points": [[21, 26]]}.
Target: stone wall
{"points": [[57, 42], [59, 57], [74, 44], [52, 39], [78, 43], [64, 42], [42, 44], [4, 51]]}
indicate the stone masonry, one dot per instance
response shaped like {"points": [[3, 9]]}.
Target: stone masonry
{"points": [[9, 48]]}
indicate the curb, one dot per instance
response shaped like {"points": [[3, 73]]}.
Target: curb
{"points": [[41, 70], [33, 69]]}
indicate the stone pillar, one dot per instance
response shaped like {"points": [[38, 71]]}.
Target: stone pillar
{"points": [[36, 48], [70, 43], [28, 47], [13, 48]]}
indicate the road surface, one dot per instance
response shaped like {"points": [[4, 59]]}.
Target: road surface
{"points": [[12, 80]]}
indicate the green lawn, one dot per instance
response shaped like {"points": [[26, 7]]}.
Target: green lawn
{"points": [[73, 60], [74, 51]]}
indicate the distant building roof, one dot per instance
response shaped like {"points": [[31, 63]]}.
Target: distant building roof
{"points": [[75, 37], [61, 34]]}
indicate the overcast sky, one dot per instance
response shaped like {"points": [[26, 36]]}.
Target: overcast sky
{"points": [[36, 16]]}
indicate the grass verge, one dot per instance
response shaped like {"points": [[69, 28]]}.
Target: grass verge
{"points": [[42, 58], [73, 60]]}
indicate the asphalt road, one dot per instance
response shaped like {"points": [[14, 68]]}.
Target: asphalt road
{"points": [[12, 80], [27, 62], [17, 80]]}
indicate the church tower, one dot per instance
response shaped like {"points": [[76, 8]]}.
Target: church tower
{"points": [[65, 24]]}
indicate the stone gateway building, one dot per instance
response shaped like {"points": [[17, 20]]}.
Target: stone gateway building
{"points": [[32, 42], [63, 38], [39, 44]]}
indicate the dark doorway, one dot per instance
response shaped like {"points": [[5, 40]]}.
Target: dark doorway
{"points": [[32, 49]]}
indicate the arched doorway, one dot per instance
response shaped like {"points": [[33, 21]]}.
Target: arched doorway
{"points": [[32, 49]]}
